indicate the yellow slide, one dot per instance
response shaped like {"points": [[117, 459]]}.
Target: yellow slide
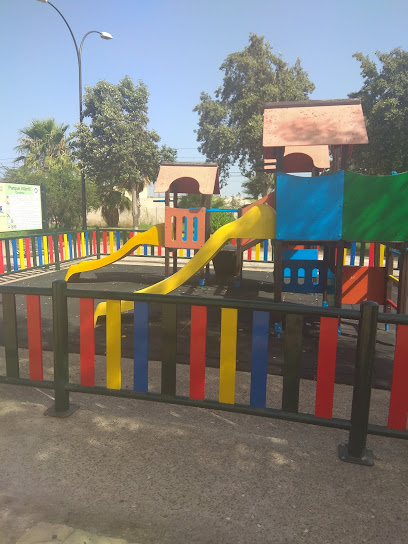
{"points": [[153, 237], [258, 223]]}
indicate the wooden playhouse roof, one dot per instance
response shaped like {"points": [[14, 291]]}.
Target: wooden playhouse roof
{"points": [[314, 122], [188, 177]]}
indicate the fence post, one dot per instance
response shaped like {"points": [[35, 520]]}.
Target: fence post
{"points": [[356, 451], [62, 407]]}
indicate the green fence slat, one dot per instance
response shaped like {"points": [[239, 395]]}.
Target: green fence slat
{"points": [[169, 349], [291, 365], [10, 335]]}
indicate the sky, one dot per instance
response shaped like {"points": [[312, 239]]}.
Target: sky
{"points": [[176, 47]]}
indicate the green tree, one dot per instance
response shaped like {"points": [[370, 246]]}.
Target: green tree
{"points": [[258, 185], [117, 149], [230, 125], [384, 97], [42, 145]]}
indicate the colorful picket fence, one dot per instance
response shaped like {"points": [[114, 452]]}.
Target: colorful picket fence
{"points": [[257, 403], [44, 250]]}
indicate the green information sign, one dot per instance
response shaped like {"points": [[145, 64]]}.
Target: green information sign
{"points": [[20, 207]]}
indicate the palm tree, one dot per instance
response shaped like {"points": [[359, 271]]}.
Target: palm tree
{"points": [[42, 144], [113, 203]]}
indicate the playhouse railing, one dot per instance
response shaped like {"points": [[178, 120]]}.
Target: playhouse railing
{"points": [[293, 316]]}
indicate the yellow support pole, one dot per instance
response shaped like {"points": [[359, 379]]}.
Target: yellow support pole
{"points": [[228, 355], [382, 252], [113, 344]]}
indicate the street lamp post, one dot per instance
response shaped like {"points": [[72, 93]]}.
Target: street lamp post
{"points": [[104, 36]]}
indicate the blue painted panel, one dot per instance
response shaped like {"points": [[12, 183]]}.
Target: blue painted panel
{"points": [[118, 240], [141, 346], [306, 285], [309, 208], [299, 254], [259, 359]]}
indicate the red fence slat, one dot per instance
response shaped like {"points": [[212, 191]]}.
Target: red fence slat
{"points": [[87, 341], [28, 252], [61, 247], [105, 242], [1, 258], [51, 248], [198, 338], [397, 415], [35, 359], [326, 366]]}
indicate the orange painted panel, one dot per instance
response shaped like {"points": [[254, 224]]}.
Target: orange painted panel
{"points": [[362, 283], [181, 239]]}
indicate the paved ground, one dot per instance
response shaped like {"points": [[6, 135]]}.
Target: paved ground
{"points": [[160, 474], [257, 285]]}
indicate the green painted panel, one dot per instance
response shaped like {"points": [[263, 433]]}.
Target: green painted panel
{"points": [[375, 208]]}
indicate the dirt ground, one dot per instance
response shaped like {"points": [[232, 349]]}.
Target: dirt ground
{"points": [[135, 274]]}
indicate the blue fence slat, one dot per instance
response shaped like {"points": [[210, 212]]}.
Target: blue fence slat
{"points": [[87, 242], [188, 253], [40, 253], [70, 246], [259, 358], [266, 244], [118, 240], [145, 249], [141, 346], [15, 259], [353, 253]]}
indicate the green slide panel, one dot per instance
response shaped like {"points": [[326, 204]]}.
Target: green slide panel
{"points": [[375, 208]]}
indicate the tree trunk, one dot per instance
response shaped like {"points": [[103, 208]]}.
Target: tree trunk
{"points": [[135, 204]]}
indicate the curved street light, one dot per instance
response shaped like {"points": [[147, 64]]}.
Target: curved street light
{"points": [[104, 36]]}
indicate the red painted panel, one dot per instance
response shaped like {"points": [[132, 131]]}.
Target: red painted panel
{"points": [[61, 247], [35, 357], [87, 341], [397, 415], [105, 242], [94, 242], [79, 244], [131, 234], [362, 283], [159, 251], [326, 367], [198, 339], [51, 249], [28, 253], [1, 258], [371, 255], [249, 253]]}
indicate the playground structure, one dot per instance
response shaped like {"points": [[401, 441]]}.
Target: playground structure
{"points": [[332, 212]]}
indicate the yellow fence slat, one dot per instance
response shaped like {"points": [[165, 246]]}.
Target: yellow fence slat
{"points": [[21, 251], [113, 344], [228, 355]]}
